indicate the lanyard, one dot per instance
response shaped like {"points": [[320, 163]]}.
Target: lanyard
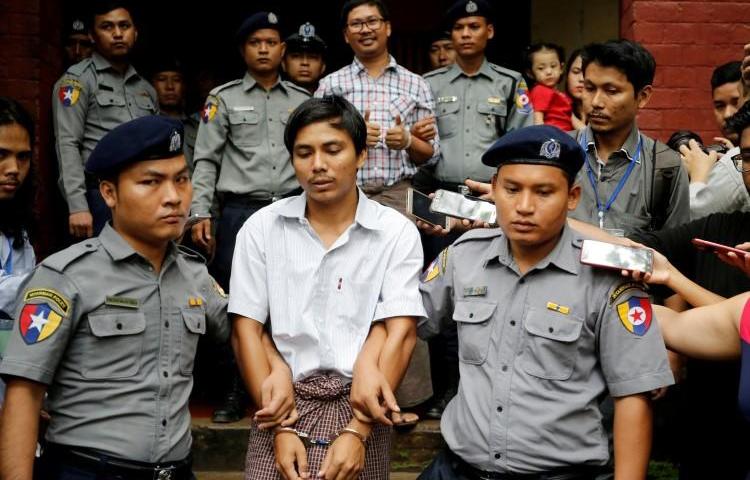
{"points": [[8, 267], [603, 209]]}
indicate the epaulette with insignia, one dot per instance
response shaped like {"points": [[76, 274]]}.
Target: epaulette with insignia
{"points": [[225, 86], [78, 68], [60, 260], [506, 72], [296, 87], [191, 254], [479, 234], [436, 72]]}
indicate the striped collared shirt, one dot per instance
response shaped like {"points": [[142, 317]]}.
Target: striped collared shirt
{"points": [[321, 302], [397, 92]]}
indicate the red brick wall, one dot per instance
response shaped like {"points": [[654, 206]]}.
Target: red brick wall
{"points": [[30, 63], [688, 40]]}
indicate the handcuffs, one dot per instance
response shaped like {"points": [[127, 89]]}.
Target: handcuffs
{"points": [[309, 441]]}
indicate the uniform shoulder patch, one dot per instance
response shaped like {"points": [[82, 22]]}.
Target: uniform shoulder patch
{"points": [[69, 91], [436, 267], [635, 314], [624, 288], [60, 260], [523, 102], [42, 314], [217, 288], [210, 108], [478, 234]]}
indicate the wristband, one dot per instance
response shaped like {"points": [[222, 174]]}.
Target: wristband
{"points": [[361, 437], [408, 139]]}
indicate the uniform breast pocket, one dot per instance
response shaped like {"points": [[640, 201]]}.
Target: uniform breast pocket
{"points": [[489, 115], [474, 321], [113, 348], [145, 105], [194, 325], [551, 346], [111, 108], [447, 118], [245, 128]]}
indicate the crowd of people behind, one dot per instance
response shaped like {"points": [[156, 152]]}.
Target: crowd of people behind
{"points": [[276, 221]]}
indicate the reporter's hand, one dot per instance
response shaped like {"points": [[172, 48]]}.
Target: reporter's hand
{"points": [[745, 67], [344, 460], [697, 162], [81, 224], [662, 269], [373, 130], [397, 137], [201, 234], [481, 190], [425, 129], [737, 261], [290, 456], [724, 141], [277, 401]]}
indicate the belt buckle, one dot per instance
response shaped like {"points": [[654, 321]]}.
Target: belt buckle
{"points": [[164, 473]]}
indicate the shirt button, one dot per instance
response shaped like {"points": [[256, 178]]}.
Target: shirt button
{"points": [[468, 107], [163, 423], [166, 375], [497, 456], [471, 315], [467, 154], [166, 324], [270, 119], [551, 329], [499, 409], [274, 168], [119, 326], [512, 323], [522, 281], [504, 368]]}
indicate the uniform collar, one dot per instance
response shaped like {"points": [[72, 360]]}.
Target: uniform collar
{"points": [[365, 215], [564, 256], [359, 67], [119, 249], [455, 71], [628, 148], [249, 82], [101, 63]]}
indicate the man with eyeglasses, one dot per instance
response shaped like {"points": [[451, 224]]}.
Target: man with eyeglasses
{"points": [[708, 382], [90, 99]]}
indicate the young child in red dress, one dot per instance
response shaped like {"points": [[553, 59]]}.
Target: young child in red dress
{"points": [[544, 67]]}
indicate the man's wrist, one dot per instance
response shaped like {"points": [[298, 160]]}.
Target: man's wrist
{"points": [[408, 139]]}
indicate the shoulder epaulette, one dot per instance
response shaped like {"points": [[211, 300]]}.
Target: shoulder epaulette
{"points": [[78, 68], [296, 87], [191, 254], [478, 234], [436, 72], [506, 71], [225, 86], [60, 260]]}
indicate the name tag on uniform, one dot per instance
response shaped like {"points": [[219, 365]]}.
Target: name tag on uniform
{"points": [[475, 291], [123, 302], [106, 88], [247, 108], [495, 100], [449, 99], [558, 308]]}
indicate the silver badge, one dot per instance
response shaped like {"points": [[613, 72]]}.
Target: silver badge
{"points": [[272, 18], [307, 30], [471, 7], [175, 142], [550, 149], [78, 26]]}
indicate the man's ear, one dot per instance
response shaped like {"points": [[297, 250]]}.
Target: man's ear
{"points": [[574, 196], [322, 69], [644, 96], [490, 31], [361, 158], [109, 192]]}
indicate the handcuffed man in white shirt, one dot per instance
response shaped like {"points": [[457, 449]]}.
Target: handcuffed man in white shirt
{"points": [[335, 277]]}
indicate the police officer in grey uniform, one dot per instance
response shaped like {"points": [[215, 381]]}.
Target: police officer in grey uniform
{"points": [[630, 181], [541, 336], [476, 101], [240, 154], [109, 326], [90, 99]]}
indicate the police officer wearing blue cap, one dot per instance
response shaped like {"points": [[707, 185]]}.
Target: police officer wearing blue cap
{"points": [[108, 327], [304, 61], [541, 336]]}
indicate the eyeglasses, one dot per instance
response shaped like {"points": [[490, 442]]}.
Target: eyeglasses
{"points": [[372, 23], [739, 163]]}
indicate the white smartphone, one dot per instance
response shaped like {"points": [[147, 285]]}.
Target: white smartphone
{"points": [[463, 206], [618, 257]]}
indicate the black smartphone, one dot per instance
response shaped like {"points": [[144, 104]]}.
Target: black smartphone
{"points": [[418, 204]]}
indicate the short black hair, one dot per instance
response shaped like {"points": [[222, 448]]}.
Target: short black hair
{"points": [[740, 121], [350, 5], [631, 58], [103, 7], [727, 73], [18, 212], [528, 55], [334, 109]]}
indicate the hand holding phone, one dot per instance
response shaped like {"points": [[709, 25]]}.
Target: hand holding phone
{"points": [[418, 204], [617, 257], [463, 206]]}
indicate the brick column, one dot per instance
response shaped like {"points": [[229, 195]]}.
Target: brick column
{"points": [[688, 40], [30, 63]]}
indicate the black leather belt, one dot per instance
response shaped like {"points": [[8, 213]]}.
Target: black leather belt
{"points": [[92, 461], [578, 472], [246, 200]]}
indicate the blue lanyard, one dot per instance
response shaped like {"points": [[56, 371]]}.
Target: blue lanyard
{"points": [[602, 210], [8, 267]]}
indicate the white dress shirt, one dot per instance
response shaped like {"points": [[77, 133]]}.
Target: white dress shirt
{"points": [[321, 302]]}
